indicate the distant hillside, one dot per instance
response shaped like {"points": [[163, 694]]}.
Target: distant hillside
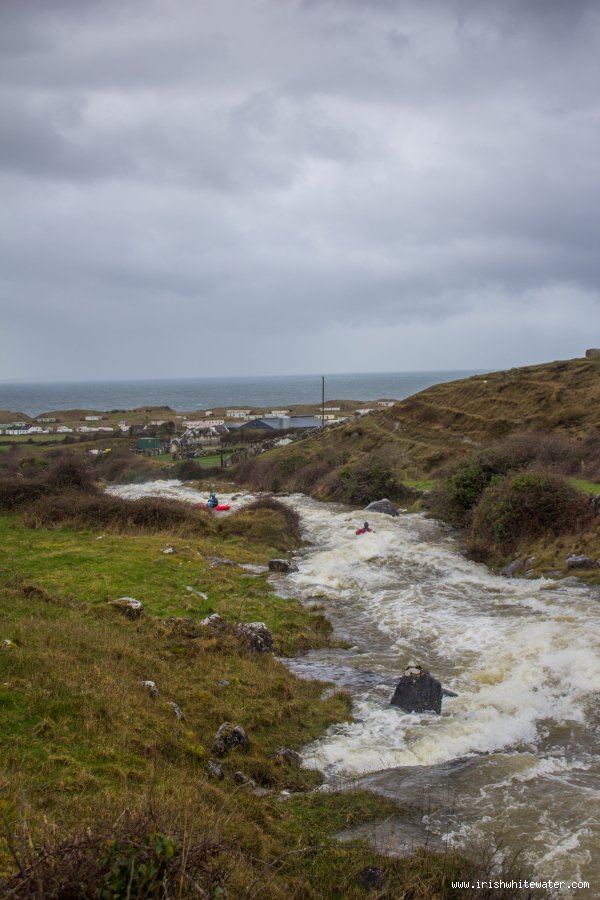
{"points": [[419, 435]]}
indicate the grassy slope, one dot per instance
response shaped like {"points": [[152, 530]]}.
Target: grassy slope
{"points": [[83, 742], [443, 423]]}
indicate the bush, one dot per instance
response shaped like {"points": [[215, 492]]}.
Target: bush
{"points": [[370, 479], [16, 492], [81, 510], [265, 520], [69, 472], [525, 507]]}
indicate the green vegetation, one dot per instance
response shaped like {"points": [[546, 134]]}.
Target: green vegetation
{"points": [[552, 411], [105, 791], [588, 487]]}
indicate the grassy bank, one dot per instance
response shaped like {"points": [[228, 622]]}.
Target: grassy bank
{"points": [[105, 789]]}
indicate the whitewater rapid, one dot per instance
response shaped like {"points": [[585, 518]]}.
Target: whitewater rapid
{"points": [[516, 752]]}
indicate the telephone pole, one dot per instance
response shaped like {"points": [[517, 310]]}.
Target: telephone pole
{"points": [[322, 401]]}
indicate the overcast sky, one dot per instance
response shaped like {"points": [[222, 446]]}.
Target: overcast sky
{"points": [[234, 187]]}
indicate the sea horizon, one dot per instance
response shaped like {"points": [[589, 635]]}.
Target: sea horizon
{"points": [[186, 394]]}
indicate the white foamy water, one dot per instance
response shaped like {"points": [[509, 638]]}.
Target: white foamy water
{"points": [[517, 749]]}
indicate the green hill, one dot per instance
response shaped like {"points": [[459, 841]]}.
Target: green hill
{"points": [[421, 435]]}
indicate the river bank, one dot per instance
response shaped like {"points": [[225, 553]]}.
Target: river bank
{"points": [[515, 753]]}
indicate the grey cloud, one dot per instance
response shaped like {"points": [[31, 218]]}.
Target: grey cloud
{"points": [[283, 168]]}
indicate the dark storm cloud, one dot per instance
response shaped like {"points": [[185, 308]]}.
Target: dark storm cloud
{"points": [[289, 170]]}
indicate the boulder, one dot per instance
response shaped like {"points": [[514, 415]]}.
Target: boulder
{"points": [[215, 769], [177, 711], [575, 561], [150, 686], [240, 778], [279, 565], [383, 506], [255, 636], [373, 878], [215, 623], [130, 607], [230, 737], [511, 569], [287, 757], [592, 353], [418, 691]]}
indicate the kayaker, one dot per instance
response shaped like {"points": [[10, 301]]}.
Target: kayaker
{"points": [[364, 529], [212, 501]]}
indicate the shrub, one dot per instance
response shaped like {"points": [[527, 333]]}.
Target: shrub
{"points": [[80, 510], [526, 506], [454, 499], [16, 492], [265, 520], [70, 472]]}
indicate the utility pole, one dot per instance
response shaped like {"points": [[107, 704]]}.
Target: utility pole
{"points": [[322, 401]]}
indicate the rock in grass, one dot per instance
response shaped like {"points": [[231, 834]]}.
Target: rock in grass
{"points": [[168, 551], [150, 686], [287, 757], [230, 737], [255, 636], [240, 778], [373, 877], [579, 561], [177, 710], [7, 644], [418, 691], [214, 622], [129, 606], [383, 506], [214, 769]]}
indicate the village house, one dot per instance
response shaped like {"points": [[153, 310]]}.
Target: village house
{"points": [[238, 413], [283, 423]]}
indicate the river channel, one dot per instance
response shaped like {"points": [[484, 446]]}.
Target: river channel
{"points": [[515, 755]]}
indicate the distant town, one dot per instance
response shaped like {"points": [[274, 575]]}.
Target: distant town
{"points": [[161, 430]]}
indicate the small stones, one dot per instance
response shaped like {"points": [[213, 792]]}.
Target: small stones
{"points": [[177, 710], [128, 606], [214, 622], [255, 636], [150, 686], [373, 877], [287, 757], [230, 737], [215, 769]]}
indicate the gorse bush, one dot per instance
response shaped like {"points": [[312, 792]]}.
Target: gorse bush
{"points": [[78, 509], [526, 506]]}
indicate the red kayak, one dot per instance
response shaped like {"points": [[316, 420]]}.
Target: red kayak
{"points": [[220, 508]]}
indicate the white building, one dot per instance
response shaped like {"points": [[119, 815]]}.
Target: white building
{"points": [[386, 403], [93, 418], [238, 413], [63, 429], [204, 423]]}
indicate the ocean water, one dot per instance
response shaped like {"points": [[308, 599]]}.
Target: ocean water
{"points": [[203, 393]]}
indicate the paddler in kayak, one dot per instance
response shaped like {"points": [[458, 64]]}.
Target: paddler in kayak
{"points": [[212, 501], [364, 529]]}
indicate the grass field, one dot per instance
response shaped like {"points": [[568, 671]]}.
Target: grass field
{"points": [[87, 752]]}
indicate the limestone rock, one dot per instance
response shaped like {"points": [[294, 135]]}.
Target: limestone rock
{"points": [[373, 877], [177, 710], [230, 737], [150, 686], [215, 623], [215, 769], [418, 691], [383, 506], [168, 551], [7, 644], [255, 636], [575, 561], [129, 606], [511, 569], [592, 353], [240, 778], [287, 757]]}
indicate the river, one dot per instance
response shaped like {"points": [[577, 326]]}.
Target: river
{"points": [[516, 753]]}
